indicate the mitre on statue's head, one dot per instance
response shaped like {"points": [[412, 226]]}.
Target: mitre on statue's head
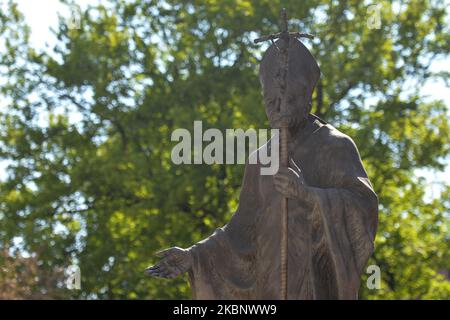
{"points": [[303, 70]]}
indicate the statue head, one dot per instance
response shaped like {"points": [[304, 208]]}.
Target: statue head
{"points": [[302, 76]]}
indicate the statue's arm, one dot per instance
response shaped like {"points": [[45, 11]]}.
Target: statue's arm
{"points": [[347, 174], [175, 261], [243, 218], [348, 203]]}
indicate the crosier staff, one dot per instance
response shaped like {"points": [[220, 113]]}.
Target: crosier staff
{"points": [[284, 35]]}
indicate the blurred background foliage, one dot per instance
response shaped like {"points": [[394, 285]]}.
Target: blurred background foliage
{"points": [[86, 135]]}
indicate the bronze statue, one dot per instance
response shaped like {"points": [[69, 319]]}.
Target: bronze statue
{"points": [[331, 216]]}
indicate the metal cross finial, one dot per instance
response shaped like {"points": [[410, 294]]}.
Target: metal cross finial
{"points": [[284, 20], [284, 31]]}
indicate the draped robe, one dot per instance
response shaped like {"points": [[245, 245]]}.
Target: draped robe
{"points": [[329, 240]]}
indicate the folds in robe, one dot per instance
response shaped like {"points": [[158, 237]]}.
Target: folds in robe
{"points": [[330, 239]]}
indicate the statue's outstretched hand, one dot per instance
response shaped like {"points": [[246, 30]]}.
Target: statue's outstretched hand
{"points": [[174, 261]]}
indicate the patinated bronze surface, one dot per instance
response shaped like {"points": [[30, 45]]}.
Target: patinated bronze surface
{"points": [[332, 208]]}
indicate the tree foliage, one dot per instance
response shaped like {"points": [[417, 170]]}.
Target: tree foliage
{"points": [[86, 124]]}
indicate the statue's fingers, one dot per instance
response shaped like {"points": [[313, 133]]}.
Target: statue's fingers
{"points": [[280, 175], [153, 273], [161, 272], [277, 183], [166, 267], [149, 269], [281, 187], [281, 180], [286, 173], [153, 268], [165, 274], [159, 266]]}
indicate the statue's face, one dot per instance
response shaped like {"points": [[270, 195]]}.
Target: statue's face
{"points": [[297, 105]]}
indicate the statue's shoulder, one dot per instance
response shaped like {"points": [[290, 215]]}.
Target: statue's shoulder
{"points": [[335, 140]]}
